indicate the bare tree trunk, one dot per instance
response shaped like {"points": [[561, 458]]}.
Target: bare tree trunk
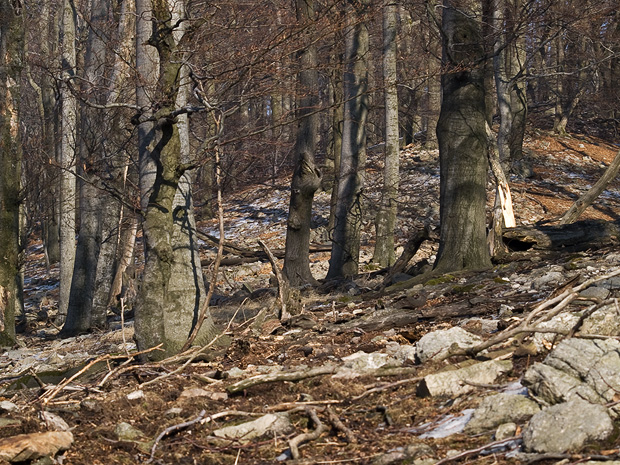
{"points": [[306, 177], [170, 293], [462, 142], [344, 261], [68, 150], [508, 63], [384, 253], [11, 59]]}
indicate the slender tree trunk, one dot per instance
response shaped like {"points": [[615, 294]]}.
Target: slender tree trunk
{"points": [[11, 62], [509, 82], [79, 312], [68, 149], [462, 142], [49, 24], [384, 253], [306, 177], [344, 261], [337, 116]]}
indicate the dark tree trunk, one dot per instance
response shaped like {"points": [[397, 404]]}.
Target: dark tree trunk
{"points": [[462, 142], [344, 261], [306, 177], [11, 60]]}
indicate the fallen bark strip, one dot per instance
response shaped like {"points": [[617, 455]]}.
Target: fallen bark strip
{"points": [[244, 384], [580, 235], [320, 428]]}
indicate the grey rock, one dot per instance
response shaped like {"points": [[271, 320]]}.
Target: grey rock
{"points": [[126, 432], [595, 292], [437, 344], [272, 424], [499, 409], [7, 406], [455, 382], [605, 321], [505, 431], [548, 279], [567, 427], [561, 322], [551, 386]]}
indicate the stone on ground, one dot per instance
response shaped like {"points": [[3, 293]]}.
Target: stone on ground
{"points": [[567, 427]]}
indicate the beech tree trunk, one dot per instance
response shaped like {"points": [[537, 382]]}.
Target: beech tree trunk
{"points": [[509, 62], [11, 62], [306, 177], [68, 150], [385, 222], [344, 261], [171, 289], [462, 142]]}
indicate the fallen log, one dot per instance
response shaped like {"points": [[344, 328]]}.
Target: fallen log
{"points": [[580, 235], [249, 255]]}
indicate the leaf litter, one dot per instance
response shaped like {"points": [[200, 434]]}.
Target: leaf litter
{"points": [[340, 407]]}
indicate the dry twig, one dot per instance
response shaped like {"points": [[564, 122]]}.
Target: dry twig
{"points": [[319, 429]]}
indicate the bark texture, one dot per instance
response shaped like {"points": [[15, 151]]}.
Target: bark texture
{"points": [[172, 285], [462, 142], [11, 61], [68, 189], [384, 253], [306, 177], [344, 261]]}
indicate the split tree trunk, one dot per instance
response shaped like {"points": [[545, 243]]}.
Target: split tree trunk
{"points": [[68, 151]]}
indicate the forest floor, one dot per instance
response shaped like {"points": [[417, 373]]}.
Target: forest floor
{"points": [[173, 412]]}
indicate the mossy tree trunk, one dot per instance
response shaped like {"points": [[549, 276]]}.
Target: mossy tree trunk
{"points": [[172, 286], [11, 61], [461, 133]]}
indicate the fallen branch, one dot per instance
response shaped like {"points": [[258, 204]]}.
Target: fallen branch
{"points": [[320, 428], [284, 290], [340, 426], [107, 357], [387, 386], [174, 429], [281, 376]]}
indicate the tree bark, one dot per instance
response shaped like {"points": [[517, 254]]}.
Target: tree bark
{"points": [[344, 261], [306, 177], [170, 293], [385, 221], [462, 142], [508, 61], [68, 150], [11, 62]]}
